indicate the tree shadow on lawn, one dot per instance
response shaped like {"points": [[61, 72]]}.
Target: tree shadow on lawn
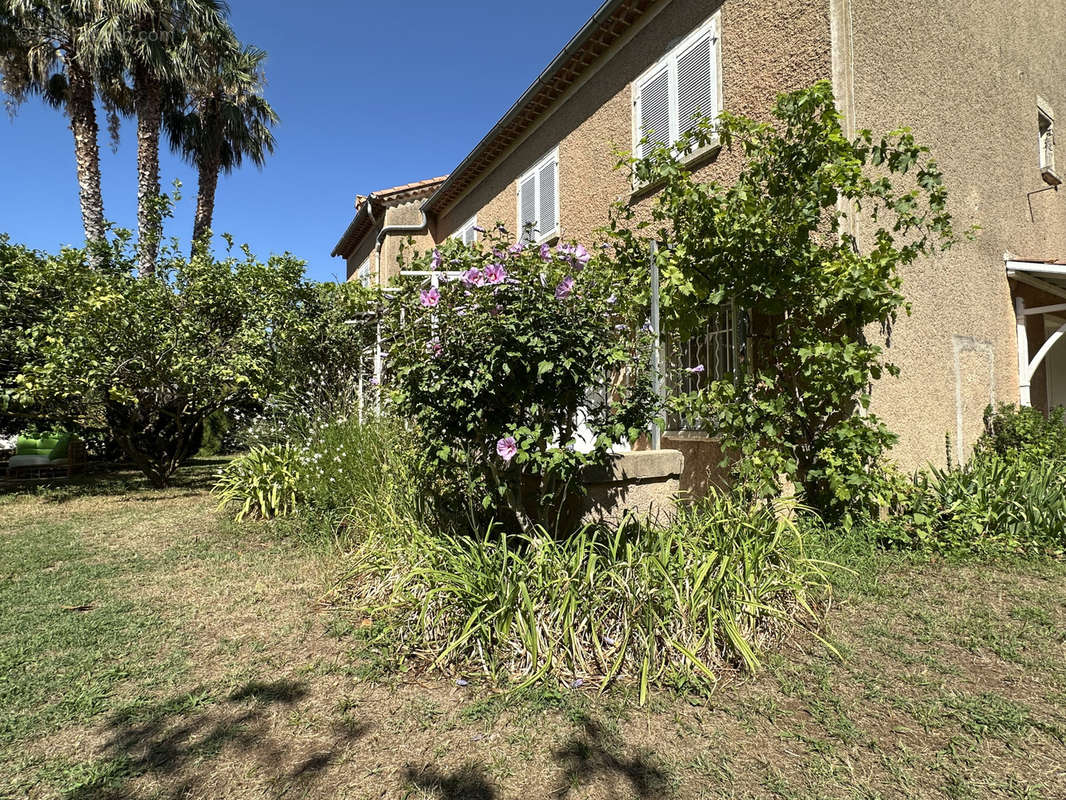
{"points": [[191, 480], [594, 754], [176, 742]]}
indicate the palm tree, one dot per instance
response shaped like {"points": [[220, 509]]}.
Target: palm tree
{"points": [[224, 121], [152, 37], [46, 49]]}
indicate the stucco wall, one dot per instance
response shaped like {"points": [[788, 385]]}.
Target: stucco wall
{"points": [[965, 76], [768, 46], [384, 265]]}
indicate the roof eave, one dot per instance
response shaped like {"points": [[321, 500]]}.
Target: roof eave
{"points": [[578, 39], [343, 248]]}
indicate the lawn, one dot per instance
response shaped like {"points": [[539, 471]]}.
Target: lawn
{"points": [[150, 649]]}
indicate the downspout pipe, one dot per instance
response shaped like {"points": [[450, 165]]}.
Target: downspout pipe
{"points": [[421, 226]]}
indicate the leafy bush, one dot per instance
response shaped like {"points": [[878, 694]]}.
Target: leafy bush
{"points": [[263, 483], [669, 605], [1023, 433], [775, 244], [359, 476], [991, 506], [496, 370], [346, 477]]}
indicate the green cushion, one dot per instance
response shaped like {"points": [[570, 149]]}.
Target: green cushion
{"points": [[53, 445]]}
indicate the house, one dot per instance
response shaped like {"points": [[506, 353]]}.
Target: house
{"points": [[980, 83]]}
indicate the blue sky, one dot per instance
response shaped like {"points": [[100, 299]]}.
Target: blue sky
{"points": [[370, 95]]}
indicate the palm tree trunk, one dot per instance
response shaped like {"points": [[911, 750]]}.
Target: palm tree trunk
{"points": [[205, 201], [87, 157], [147, 99]]}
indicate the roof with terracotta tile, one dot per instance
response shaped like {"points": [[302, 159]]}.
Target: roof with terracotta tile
{"points": [[363, 221]]}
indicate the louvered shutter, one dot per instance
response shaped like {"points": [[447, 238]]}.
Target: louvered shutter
{"points": [[654, 101], [469, 235], [527, 205], [695, 87], [546, 222]]}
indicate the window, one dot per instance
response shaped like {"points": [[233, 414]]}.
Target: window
{"points": [[363, 273], [710, 355], [538, 200], [1045, 125], [682, 85], [468, 233]]}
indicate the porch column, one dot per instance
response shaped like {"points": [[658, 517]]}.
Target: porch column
{"points": [[1024, 397]]}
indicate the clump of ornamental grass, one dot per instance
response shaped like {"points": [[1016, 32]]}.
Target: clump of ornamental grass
{"points": [[674, 605], [340, 474]]}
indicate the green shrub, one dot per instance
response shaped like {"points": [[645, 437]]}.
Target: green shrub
{"points": [[1023, 433], [264, 483], [496, 369], [668, 605], [991, 506], [345, 476], [358, 477]]}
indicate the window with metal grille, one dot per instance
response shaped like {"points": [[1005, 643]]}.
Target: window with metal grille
{"points": [[707, 356], [538, 199], [680, 87]]}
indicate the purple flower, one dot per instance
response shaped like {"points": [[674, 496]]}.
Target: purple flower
{"points": [[582, 256], [430, 298], [437, 260], [433, 347], [507, 448], [612, 300], [461, 682], [545, 252], [479, 229], [517, 247], [500, 227], [621, 327], [495, 273], [474, 277], [696, 370], [577, 684], [374, 381], [562, 291]]}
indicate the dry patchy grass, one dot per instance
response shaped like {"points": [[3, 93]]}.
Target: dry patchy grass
{"points": [[204, 666]]}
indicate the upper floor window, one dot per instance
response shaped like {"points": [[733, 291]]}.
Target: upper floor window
{"points": [[538, 199], [363, 273], [1045, 124], [681, 86], [468, 233]]}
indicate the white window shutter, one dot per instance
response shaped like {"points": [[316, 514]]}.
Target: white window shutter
{"points": [[695, 89], [654, 108], [527, 204], [546, 219], [469, 235]]}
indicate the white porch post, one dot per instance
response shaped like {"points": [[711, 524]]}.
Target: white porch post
{"points": [[1024, 397]]}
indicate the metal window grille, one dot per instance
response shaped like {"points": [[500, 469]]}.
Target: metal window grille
{"points": [[715, 349]]}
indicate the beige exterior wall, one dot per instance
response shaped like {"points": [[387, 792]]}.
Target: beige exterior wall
{"points": [[384, 262], [768, 46], [965, 76]]}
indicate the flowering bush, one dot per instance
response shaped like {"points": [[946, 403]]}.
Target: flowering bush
{"points": [[519, 370]]}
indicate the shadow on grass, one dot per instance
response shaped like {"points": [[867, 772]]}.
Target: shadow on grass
{"points": [[465, 783], [592, 754], [193, 478], [176, 741]]}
